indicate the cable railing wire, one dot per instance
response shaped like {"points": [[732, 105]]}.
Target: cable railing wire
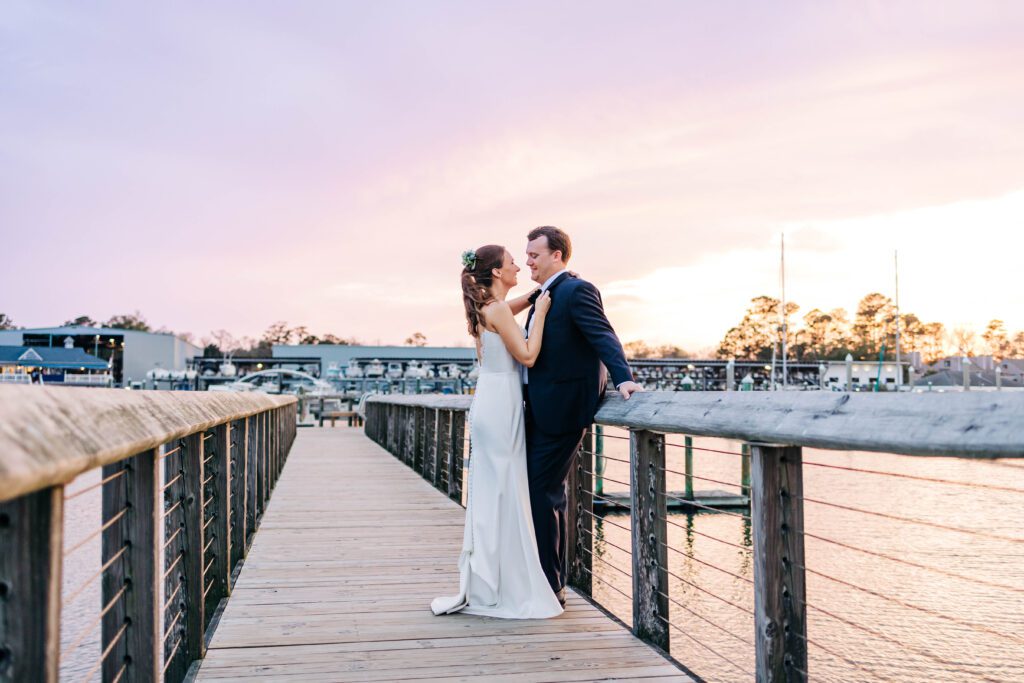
{"points": [[912, 648], [911, 520], [107, 480], [608, 583], [706, 507], [605, 520], [705, 619], [106, 652], [622, 571], [898, 560], [85, 584], [707, 564], [83, 634], [709, 536], [707, 647], [960, 622], [694, 476], [706, 450], [110, 522], [741, 608], [915, 477]]}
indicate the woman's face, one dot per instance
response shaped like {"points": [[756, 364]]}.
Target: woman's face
{"points": [[507, 273]]}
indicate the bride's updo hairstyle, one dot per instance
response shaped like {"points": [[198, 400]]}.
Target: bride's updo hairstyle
{"points": [[477, 278]]}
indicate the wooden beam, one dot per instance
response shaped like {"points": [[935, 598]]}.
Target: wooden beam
{"points": [[442, 448], [50, 435], [239, 490], [780, 611], [457, 456], [581, 522]]}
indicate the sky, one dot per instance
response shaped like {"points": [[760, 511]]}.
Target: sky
{"points": [[228, 165]]}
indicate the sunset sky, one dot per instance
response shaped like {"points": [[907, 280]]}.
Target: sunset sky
{"points": [[231, 164]]}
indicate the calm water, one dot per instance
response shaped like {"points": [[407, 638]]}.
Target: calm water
{"points": [[904, 644]]}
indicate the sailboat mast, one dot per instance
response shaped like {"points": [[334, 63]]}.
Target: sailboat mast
{"points": [[899, 368], [782, 327]]}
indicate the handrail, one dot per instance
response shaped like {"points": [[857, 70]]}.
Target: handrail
{"points": [[50, 435], [957, 425]]}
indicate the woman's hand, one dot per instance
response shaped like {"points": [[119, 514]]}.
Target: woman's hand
{"points": [[543, 304]]}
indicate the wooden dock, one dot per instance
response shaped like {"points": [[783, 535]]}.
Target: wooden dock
{"points": [[337, 586]]}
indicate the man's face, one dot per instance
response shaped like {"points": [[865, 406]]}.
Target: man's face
{"points": [[543, 263]]}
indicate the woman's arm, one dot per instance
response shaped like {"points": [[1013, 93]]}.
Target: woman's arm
{"points": [[521, 303], [499, 315]]}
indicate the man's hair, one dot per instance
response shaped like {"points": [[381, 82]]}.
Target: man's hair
{"points": [[557, 240]]}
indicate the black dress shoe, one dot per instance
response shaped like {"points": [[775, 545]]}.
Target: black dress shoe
{"points": [[561, 597]]}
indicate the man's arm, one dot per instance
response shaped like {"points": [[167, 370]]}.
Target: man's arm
{"points": [[587, 313]]}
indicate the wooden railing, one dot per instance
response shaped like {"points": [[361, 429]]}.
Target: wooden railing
{"points": [[427, 432], [185, 479]]}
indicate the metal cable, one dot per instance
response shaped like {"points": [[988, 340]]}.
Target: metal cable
{"points": [[882, 636], [607, 457], [120, 673], [708, 564], [706, 507], [171, 599], [936, 525], [606, 521], [991, 487], [96, 533], [701, 533], [213, 537], [171, 482], [704, 590], [628, 575], [170, 452], [173, 536], [76, 494], [106, 652], [694, 476], [609, 584], [707, 450], [609, 501], [709, 649], [926, 610], [831, 652], [173, 565], [170, 627], [92, 578], [170, 657], [88, 629], [990, 584], [703, 618], [171, 509]]}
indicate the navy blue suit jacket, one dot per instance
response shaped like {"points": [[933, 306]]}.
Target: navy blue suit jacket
{"points": [[568, 379]]}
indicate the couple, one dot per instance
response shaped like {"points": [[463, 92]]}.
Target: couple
{"points": [[513, 560]]}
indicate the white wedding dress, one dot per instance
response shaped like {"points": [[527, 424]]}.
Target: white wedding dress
{"points": [[500, 572]]}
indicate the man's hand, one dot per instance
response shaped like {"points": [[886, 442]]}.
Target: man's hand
{"points": [[627, 389]]}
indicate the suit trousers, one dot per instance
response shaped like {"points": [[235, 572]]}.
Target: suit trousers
{"points": [[548, 460]]}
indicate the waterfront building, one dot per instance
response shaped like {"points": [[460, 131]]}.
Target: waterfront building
{"points": [[46, 365], [130, 353], [865, 374]]}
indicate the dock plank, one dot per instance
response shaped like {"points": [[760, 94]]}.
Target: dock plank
{"points": [[338, 582]]}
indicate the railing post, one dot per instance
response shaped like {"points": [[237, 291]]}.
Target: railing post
{"points": [[745, 469], [31, 553], [649, 537], [457, 454], [688, 467], [239, 490], [252, 469], [261, 420], [183, 558], [408, 432], [132, 494], [780, 611], [430, 437], [218, 528], [443, 447], [391, 436], [581, 520]]}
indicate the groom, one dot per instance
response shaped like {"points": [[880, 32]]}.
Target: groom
{"points": [[563, 389]]}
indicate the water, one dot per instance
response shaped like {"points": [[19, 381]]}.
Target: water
{"points": [[904, 644]]}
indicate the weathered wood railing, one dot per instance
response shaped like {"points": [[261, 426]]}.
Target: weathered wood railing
{"points": [[426, 432], [185, 478]]}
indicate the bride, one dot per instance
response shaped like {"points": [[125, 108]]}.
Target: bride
{"points": [[500, 571]]}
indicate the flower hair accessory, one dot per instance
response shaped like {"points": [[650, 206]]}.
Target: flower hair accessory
{"points": [[469, 258]]}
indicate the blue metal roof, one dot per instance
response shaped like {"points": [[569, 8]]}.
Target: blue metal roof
{"points": [[46, 357]]}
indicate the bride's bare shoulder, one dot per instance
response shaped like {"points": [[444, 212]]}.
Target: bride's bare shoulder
{"points": [[496, 309]]}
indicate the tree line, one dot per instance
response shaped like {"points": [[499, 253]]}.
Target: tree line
{"points": [[831, 335]]}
